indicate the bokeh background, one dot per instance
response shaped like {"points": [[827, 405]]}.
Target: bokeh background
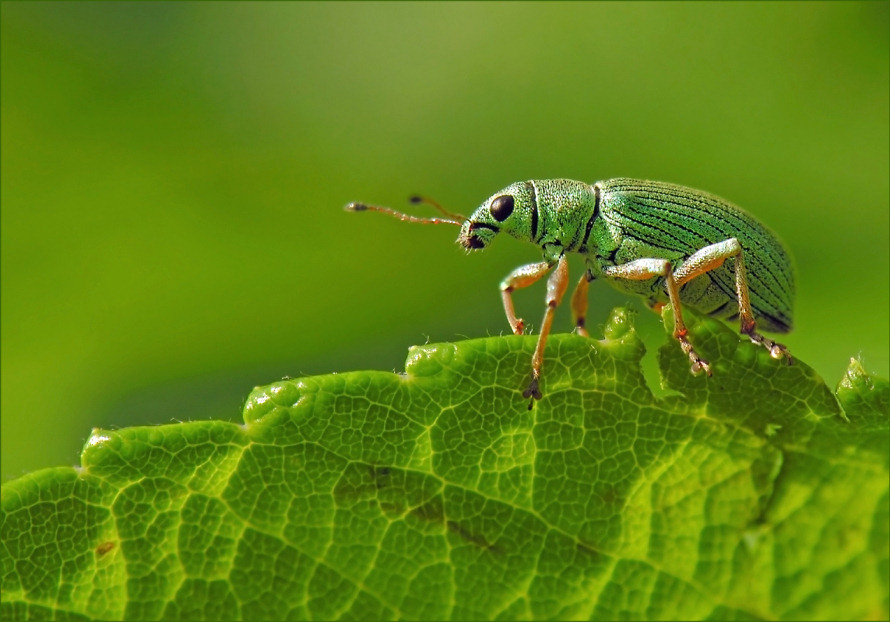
{"points": [[173, 177]]}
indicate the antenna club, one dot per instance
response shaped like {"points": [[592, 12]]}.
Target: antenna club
{"points": [[415, 198], [356, 207]]}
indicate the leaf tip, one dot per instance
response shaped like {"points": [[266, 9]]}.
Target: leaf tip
{"points": [[97, 438], [429, 359], [861, 392], [856, 378], [620, 323], [264, 399]]}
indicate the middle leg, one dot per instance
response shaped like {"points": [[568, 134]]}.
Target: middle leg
{"points": [[579, 303], [644, 269]]}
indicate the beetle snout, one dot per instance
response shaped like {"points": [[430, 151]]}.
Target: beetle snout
{"points": [[476, 236], [471, 241]]}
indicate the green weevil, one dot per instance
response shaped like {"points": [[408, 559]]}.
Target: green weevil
{"points": [[647, 238]]}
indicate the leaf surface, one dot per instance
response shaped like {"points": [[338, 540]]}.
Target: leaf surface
{"points": [[757, 493]]}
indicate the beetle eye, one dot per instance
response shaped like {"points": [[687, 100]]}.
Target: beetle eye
{"points": [[501, 207]]}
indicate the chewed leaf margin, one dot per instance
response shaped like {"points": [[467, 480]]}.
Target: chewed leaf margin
{"points": [[436, 494]]}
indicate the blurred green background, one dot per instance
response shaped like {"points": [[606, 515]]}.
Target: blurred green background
{"points": [[173, 177]]}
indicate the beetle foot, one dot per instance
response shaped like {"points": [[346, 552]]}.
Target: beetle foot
{"points": [[532, 391], [775, 349], [699, 364]]}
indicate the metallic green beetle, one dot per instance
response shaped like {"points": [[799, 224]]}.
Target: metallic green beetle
{"points": [[647, 238]]}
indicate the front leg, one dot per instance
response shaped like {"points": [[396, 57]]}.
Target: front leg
{"points": [[556, 288], [522, 276]]}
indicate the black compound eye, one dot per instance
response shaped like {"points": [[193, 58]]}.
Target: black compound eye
{"points": [[501, 207]]}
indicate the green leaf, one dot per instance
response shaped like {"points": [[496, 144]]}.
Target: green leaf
{"points": [[757, 493]]}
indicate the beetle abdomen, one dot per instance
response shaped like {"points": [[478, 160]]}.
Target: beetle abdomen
{"points": [[664, 220]]}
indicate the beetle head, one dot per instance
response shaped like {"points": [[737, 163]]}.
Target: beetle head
{"points": [[512, 211]]}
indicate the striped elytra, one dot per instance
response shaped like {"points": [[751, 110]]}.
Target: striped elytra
{"points": [[646, 218]]}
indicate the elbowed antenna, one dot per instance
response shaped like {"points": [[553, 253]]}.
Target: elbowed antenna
{"points": [[419, 199], [454, 219]]}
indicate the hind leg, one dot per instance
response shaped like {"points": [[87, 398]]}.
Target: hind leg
{"points": [[713, 256]]}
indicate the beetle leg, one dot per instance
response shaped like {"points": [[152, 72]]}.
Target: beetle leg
{"points": [[579, 304], [523, 276], [644, 269], [556, 288], [713, 256]]}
